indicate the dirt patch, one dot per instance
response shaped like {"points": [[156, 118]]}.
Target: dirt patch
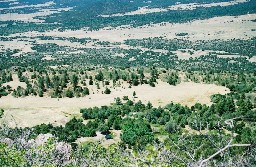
{"points": [[15, 83], [100, 137], [253, 59]]}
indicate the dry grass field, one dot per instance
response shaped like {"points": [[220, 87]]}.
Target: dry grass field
{"points": [[30, 111], [223, 28]]}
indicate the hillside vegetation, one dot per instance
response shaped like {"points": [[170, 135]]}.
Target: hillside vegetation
{"points": [[127, 83]]}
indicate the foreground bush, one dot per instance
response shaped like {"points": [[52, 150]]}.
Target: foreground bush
{"points": [[45, 150]]}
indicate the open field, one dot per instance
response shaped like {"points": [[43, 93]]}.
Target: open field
{"points": [[223, 28], [30, 111], [30, 16], [47, 4], [189, 6], [226, 27]]}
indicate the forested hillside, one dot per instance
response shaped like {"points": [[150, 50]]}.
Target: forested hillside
{"points": [[127, 83]]}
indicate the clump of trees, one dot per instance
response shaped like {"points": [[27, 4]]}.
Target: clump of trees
{"points": [[69, 133], [1, 113], [136, 133], [173, 79]]}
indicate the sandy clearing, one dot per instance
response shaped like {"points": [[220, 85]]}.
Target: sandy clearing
{"points": [[189, 6], [48, 57], [46, 109], [14, 3], [226, 27], [141, 10], [9, 0], [3, 25], [231, 56], [160, 95], [101, 138], [15, 83], [197, 53], [253, 59], [30, 17], [214, 28], [61, 43], [23, 45], [186, 55], [31, 117], [47, 4], [193, 6], [92, 44]]}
